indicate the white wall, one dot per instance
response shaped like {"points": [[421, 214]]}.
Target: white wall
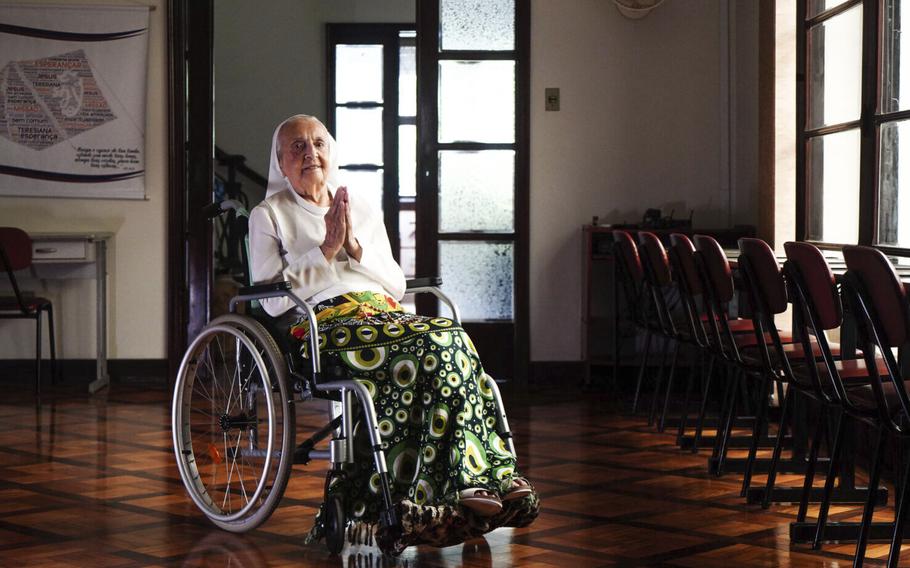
{"points": [[641, 126], [137, 285]]}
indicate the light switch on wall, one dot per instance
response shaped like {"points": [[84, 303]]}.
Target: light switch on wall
{"points": [[551, 96]]}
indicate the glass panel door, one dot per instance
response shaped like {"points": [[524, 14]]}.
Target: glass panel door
{"points": [[372, 113], [472, 181]]}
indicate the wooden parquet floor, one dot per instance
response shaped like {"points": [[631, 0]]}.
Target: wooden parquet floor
{"points": [[91, 481]]}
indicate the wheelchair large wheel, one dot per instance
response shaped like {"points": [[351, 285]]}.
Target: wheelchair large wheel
{"points": [[233, 423]]}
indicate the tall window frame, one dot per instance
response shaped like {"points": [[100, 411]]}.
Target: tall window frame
{"points": [[396, 204], [876, 210]]}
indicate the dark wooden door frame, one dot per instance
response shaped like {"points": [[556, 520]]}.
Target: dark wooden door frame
{"points": [[190, 171]]}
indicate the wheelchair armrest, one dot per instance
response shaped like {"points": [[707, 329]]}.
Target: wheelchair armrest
{"points": [[431, 284], [427, 282], [265, 288]]}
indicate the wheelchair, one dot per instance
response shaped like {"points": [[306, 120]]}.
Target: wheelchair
{"points": [[234, 409]]}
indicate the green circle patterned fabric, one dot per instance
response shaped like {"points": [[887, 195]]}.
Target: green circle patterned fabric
{"points": [[434, 404]]}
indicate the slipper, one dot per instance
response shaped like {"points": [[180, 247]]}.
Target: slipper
{"points": [[482, 501], [519, 489]]}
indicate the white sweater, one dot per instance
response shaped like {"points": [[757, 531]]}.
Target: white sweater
{"points": [[285, 234]]}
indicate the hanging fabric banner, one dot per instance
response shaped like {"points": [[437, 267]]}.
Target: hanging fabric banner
{"points": [[72, 100]]}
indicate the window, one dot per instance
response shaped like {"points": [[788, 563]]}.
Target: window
{"points": [[854, 174], [373, 114]]}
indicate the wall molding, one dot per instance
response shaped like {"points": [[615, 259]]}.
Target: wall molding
{"points": [[83, 370]]}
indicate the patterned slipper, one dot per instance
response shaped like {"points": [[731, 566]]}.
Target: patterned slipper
{"points": [[519, 489], [482, 501]]}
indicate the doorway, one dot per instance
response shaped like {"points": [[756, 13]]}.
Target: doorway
{"points": [[282, 89]]}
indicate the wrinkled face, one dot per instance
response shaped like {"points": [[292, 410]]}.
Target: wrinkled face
{"points": [[303, 153]]}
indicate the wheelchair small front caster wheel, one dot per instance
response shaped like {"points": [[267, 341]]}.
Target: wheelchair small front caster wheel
{"points": [[335, 524]]}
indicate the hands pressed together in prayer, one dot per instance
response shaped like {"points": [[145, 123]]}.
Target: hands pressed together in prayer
{"points": [[339, 231]]}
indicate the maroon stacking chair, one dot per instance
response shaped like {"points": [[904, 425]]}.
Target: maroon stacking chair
{"points": [[729, 336], [879, 300], [682, 261], [16, 254], [671, 327], [642, 316], [831, 381]]}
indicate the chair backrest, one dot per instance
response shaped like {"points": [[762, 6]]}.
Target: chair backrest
{"points": [[628, 252], [816, 309], [657, 266], [17, 248], [768, 280], [684, 252], [818, 283], [682, 260], [883, 290], [716, 266]]}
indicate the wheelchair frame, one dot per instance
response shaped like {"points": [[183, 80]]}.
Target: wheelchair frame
{"points": [[343, 390]]}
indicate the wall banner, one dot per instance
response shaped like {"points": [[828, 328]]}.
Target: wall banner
{"points": [[72, 100]]}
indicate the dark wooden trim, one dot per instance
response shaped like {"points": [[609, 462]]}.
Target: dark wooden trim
{"points": [[522, 190], [190, 171], [478, 146], [176, 272], [868, 168], [801, 98], [495, 237], [828, 14], [892, 117], [83, 370], [390, 185], [200, 163], [471, 54], [427, 260], [767, 90], [361, 167], [834, 128], [362, 104]]}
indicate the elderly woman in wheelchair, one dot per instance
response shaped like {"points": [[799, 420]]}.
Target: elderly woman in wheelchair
{"points": [[421, 450]]}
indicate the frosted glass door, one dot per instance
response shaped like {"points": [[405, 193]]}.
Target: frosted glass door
{"points": [[472, 182]]}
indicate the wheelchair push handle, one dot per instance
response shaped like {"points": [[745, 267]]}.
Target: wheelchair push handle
{"points": [[215, 209]]}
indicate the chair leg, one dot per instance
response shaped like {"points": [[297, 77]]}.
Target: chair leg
{"points": [[652, 416], [810, 466], [778, 447], [833, 464], [684, 415], [704, 405], [50, 329], [641, 370], [38, 353], [723, 407], [869, 509], [900, 515], [728, 425], [663, 414], [761, 416]]}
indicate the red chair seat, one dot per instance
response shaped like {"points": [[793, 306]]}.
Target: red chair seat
{"points": [[751, 341], [856, 368], [737, 325], [9, 304]]}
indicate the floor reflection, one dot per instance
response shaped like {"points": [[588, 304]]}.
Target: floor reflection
{"points": [[92, 481]]}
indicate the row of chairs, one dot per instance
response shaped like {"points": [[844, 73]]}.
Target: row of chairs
{"points": [[684, 297]]}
